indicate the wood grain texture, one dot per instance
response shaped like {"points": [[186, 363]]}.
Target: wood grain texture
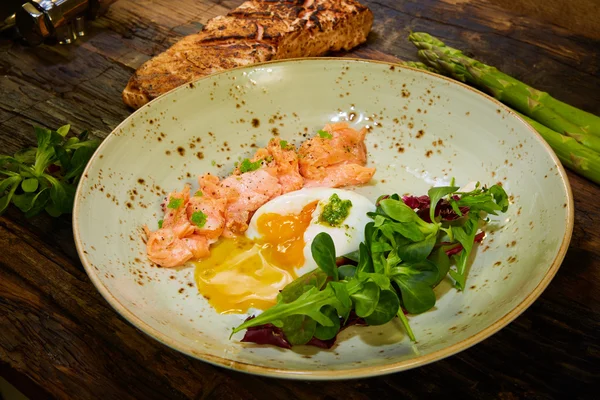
{"points": [[60, 339]]}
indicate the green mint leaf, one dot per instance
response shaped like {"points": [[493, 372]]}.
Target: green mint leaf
{"points": [[199, 219], [246, 165], [29, 185], [323, 252], [198, 193], [324, 134], [175, 203], [160, 223], [283, 144], [436, 194]]}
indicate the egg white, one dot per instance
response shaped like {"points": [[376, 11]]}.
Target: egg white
{"points": [[346, 237]]}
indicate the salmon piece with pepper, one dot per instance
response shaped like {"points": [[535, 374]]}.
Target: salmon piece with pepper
{"points": [[285, 160], [174, 242], [210, 211], [335, 158], [175, 217], [252, 189]]}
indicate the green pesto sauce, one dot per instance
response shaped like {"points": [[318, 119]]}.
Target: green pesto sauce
{"points": [[336, 211]]}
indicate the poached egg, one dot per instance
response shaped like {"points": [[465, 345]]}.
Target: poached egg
{"points": [[247, 272]]}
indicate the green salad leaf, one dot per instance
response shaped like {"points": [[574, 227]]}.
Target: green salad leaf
{"points": [[45, 177], [397, 266]]}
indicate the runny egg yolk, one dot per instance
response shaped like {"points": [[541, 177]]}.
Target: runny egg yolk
{"points": [[241, 273]]}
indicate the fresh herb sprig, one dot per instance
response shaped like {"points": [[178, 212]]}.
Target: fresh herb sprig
{"points": [[401, 260], [45, 177]]}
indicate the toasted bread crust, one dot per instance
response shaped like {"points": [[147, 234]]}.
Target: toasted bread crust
{"points": [[256, 31]]}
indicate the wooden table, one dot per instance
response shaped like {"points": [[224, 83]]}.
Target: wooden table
{"points": [[60, 339]]}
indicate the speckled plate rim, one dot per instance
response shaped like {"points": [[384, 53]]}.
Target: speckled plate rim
{"points": [[354, 373]]}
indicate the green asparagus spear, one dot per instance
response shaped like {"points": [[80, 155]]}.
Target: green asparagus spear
{"points": [[583, 127], [420, 65], [573, 155]]}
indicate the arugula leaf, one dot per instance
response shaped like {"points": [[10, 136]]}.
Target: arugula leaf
{"points": [[466, 236], [436, 194], [344, 305], [500, 197], [323, 252], [309, 304]]}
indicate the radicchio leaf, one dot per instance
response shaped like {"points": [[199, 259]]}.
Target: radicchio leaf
{"points": [[443, 208], [266, 334], [270, 334]]}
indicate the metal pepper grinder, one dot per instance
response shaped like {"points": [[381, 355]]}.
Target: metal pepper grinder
{"points": [[64, 20]]}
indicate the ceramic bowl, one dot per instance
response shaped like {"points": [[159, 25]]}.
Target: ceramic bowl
{"points": [[424, 130]]}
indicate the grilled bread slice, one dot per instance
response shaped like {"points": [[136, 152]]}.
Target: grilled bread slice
{"points": [[256, 31]]}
